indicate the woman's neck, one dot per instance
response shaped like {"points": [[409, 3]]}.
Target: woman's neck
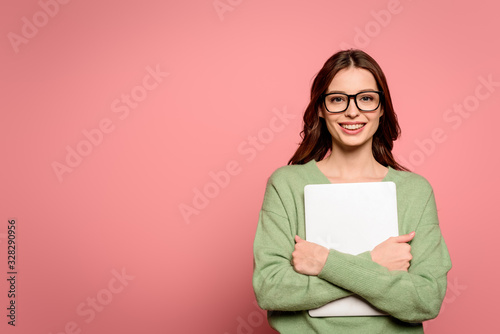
{"points": [[357, 165]]}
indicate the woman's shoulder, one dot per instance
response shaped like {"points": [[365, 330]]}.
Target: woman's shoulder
{"points": [[292, 173], [290, 170], [410, 180]]}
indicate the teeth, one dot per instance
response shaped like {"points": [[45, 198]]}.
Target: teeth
{"points": [[352, 126]]}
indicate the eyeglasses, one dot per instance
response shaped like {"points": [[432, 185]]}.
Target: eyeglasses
{"points": [[365, 101]]}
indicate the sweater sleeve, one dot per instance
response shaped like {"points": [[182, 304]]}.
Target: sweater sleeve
{"points": [[276, 284], [412, 296]]}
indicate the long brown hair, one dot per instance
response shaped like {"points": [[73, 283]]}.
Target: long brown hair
{"points": [[317, 140]]}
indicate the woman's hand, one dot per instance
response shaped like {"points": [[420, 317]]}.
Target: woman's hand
{"points": [[308, 258], [394, 253]]}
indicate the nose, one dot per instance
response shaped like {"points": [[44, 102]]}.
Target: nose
{"points": [[352, 110]]}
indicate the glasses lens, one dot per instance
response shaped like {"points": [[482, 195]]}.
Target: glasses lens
{"points": [[368, 101], [336, 102]]}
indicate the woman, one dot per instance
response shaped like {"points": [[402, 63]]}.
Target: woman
{"points": [[351, 117]]}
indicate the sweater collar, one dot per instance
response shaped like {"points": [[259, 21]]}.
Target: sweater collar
{"points": [[314, 169]]}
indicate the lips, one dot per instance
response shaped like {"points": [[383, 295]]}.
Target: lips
{"points": [[352, 126]]}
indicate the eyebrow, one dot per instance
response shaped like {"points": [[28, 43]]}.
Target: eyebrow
{"points": [[361, 91]]}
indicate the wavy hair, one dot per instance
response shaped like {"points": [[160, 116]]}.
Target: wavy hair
{"points": [[317, 140]]}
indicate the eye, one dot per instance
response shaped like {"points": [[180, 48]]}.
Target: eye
{"points": [[336, 99], [366, 98]]}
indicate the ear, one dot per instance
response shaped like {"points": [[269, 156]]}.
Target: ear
{"points": [[320, 112]]}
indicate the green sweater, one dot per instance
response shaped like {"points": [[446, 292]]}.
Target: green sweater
{"points": [[409, 297]]}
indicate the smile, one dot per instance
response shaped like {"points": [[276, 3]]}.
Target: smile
{"points": [[352, 126]]}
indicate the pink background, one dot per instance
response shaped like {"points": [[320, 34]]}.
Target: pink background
{"points": [[231, 71]]}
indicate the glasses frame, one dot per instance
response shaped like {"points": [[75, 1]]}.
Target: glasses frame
{"points": [[349, 97]]}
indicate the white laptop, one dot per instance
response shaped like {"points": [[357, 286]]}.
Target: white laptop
{"points": [[351, 218]]}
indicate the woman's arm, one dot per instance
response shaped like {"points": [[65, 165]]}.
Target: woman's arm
{"points": [[276, 284], [309, 258], [412, 296]]}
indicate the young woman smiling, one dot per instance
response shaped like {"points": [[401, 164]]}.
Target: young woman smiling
{"points": [[349, 129]]}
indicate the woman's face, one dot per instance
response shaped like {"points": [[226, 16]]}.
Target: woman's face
{"points": [[352, 128]]}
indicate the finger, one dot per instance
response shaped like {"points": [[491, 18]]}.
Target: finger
{"points": [[297, 239], [404, 237]]}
